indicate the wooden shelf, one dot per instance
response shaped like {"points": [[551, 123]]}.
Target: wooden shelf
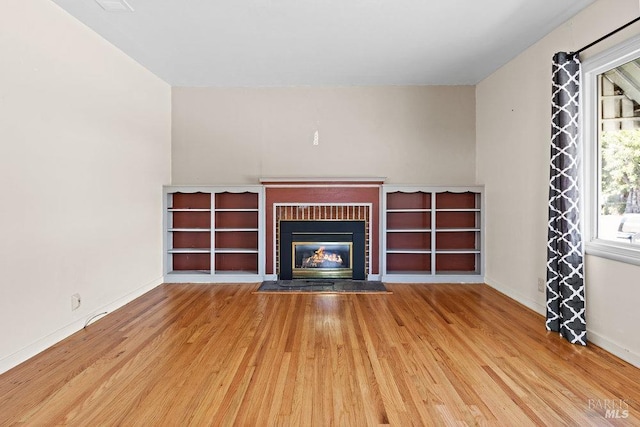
{"points": [[408, 200], [417, 261], [408, 241], [190, 219], [412, 272], [213, 231], [408, 251], [458, 240], [408, 219], [195, 272], [407, 210], [432, 231], [236, 219], [229, 200], [192, 201], [237, 272], [189, 251], [236, 261], [236, 251], [457, 273], [457, 200], [456, 262], [190, 261], [410, 230]]}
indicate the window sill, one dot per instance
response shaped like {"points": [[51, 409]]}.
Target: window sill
{"points": [[614, 251]]}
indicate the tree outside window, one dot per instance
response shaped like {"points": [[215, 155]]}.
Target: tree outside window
{"points": [[619, 147]]}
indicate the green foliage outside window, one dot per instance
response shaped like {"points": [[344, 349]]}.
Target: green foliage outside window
{"points": [[620, 156]]}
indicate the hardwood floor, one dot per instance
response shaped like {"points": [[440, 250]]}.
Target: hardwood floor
{"points": [[220, 355]]}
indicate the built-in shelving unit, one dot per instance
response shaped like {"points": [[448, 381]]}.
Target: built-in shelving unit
{"points": [[189, 232], [432, 234], [214, 234], [236, 230], [429, 234]]}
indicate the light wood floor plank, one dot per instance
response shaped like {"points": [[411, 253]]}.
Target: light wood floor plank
{"points": [[222, 355]]}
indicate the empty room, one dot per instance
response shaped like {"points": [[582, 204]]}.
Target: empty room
{"points": [[320, 213]]}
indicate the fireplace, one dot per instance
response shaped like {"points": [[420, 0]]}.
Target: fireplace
{"points": [[322, 249], [322, 259]]}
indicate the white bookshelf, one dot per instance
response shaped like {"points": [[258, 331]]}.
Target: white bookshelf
{"points": [[213, 234], [432, 234]]}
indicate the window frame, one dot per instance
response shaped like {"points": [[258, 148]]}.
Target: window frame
{"points": [[591, 68]]}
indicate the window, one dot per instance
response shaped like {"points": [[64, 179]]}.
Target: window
{"points": [[611, 135]]}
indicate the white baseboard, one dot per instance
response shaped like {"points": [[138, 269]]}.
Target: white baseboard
{"points": [[533, 305], [373, 277], [45, 342], [592, 337], [613, 348]]}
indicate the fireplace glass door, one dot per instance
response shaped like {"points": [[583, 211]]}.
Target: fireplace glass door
{"points": [[322, 260]]}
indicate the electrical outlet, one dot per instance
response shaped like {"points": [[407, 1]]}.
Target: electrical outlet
{"points": [[75, 301], [541, 285], [316, 138]]}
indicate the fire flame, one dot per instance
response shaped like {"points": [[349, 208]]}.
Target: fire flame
{"points": [[321, 256]]}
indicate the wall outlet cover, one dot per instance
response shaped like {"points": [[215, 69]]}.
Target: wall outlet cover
{"points": [[75, 301]]}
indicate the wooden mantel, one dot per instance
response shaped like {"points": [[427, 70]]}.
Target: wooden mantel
{"points": [[322, 180]]}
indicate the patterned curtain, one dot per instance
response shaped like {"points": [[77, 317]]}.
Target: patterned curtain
{"points": [[565, 278]]}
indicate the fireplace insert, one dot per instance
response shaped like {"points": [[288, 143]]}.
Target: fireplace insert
{"points": [[322, 259], [322, 249]]}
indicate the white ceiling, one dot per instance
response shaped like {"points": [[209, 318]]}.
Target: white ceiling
{"points": [[251, 43]]}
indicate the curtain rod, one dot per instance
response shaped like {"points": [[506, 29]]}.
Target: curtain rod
{"points": [[577, 52]]}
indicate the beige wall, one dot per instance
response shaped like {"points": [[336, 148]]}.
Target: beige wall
{"points": [[513, 134], [408, 134], [84, 152]]}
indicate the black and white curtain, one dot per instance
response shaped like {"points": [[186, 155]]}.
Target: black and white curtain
{"points": [[565, 272]]}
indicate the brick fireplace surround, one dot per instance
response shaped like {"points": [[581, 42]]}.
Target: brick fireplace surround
{"points": [[326, 200]]}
